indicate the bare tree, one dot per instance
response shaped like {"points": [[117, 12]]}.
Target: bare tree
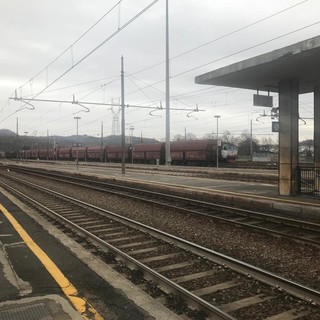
{"points": [[266, 144], [178, 137], [209, 136], [227, 137], [246, 143], [191, 136]]}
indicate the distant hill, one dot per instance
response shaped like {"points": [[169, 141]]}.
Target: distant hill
{"points": [[94, 141], [7, 133], [10, 142]]}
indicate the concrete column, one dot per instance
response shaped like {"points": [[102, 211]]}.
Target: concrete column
{"points": [[288, 137], [316, 133]]}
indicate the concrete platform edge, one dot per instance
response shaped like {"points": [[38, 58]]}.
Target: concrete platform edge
{"points": [[139, 297]]}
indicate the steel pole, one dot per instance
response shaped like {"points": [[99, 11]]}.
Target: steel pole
{"points": [[217, 117], [123, 130], [251, 145], [101, 142], [77, 161], [168, 156]]}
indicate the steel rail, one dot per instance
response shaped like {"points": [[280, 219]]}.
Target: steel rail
{"points": [[293, 288], [301, 225], [163, 282]]}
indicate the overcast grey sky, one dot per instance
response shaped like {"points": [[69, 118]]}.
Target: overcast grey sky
{"points": [[35, 32]]}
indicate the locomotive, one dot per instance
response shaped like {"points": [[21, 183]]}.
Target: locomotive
{"points": [[190, 152]]}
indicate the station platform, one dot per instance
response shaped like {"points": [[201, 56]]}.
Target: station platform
{"points": [[27, 290], [46, 275], [255, 189], [245, 188], [30, 291]]}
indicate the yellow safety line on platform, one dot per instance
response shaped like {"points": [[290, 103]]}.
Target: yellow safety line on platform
{"points": [[69, 290]]}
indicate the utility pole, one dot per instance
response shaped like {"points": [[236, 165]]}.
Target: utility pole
{"points": [[47, 144], [25, 146], [55, 149], [101, 141], [168, 156], [217, 117], [251, 146], [77, 118], [131, 142], [123, 129], [18, 148]]}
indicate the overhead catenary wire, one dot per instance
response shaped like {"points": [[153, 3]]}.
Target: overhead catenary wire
{"points": [[92, 90], [221, 37], [239, 29], [135, 84], [246, 49], [89, 54], [226, 56], [186, 52], [60, 55], [97, 88], [115, 78], [99, 46], [76, 41], [229, 55], [190, 51], [179, 55]]}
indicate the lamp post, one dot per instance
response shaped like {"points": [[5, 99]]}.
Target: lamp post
{"points": [[101, 142], [167, 71], [123, 122], [37, 151], [251, 134], [131, 141], [77, 142], [217, 117], [251, 131], [25, 146]]}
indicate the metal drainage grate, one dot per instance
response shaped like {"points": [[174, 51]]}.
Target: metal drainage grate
{"points": [[36, 311]]}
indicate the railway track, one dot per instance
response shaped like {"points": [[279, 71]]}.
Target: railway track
{"points": [[252, 174], [277, 225], [183, 275]]}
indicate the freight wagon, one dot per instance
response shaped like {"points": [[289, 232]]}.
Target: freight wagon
{"points": [[190, 152]]}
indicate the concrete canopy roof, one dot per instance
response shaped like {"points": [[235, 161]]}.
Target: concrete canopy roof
{"points": [[299, 61]]}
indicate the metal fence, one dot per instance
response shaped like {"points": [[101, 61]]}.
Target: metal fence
{"points": [[309, 181]]}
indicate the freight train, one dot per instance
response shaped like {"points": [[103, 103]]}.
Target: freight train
{"points": [[190, 152]]}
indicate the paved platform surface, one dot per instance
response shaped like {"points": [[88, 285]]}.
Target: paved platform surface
{"points": [[45, 275], [233, 190], [27, 290], [26, 287], [252, 188]]}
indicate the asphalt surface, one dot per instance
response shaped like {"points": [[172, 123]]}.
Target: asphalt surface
{"points": [[25, 281], [23, 276]]}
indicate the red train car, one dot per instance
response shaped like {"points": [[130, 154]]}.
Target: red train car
{"points": [[34, 154], [194, 152], [64, 154], [43, 154], [114, 153], [96, 153], [27, 154], [149, 153], [47, 154], [52, 154], [190, 152], [79, 152]]}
